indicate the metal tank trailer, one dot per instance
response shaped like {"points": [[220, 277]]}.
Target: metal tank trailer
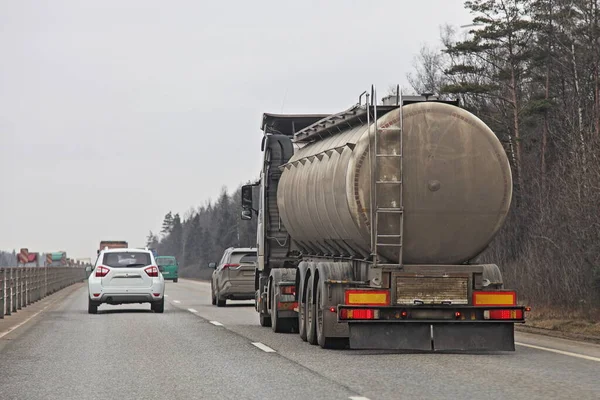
{"points": [[368, 220]]}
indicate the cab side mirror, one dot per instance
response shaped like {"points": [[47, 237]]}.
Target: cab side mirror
{"points": [[88, 269], [212, 265], [247, 197]]}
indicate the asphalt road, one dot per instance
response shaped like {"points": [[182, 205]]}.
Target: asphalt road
{"points": [[198, 351]]}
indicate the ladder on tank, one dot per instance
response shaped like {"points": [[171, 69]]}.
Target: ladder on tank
{"points": [[387, 207]]}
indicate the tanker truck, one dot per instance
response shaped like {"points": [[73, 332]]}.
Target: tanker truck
{"points": [[368, 224]]}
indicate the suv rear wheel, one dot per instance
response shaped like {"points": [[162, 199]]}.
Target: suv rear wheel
{"points": [[92, 307], [159, 306]]}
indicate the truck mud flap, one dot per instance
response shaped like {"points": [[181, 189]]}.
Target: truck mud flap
{"points": [[413, 336], [474, 337], [436, 337]]}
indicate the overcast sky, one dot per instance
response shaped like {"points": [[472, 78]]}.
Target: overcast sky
{"points": [[113, 113]]}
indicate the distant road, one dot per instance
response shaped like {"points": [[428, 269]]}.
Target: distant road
{"points": [[198, 351]]}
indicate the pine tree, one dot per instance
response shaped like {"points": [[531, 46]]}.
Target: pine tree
{"points": [[167, 225]]}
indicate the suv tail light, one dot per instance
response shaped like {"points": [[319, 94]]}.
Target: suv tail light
{"points": [[152, 271], [230, 266], [101, 271]]}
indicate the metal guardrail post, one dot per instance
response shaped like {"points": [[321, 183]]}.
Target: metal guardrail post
{"points": [[23, 293], [27, 276], [18, 285], [14, 290], [8, 291], [38, 286], [3, 289]]}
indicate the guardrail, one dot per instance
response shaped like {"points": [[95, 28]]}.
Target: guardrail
{"points": [[22, 286]]}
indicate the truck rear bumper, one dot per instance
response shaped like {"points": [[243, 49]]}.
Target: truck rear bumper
{"points": [[431, 327], [467, 336]]}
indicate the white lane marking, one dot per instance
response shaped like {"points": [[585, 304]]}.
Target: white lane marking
{"points": [[565, 353], [22, 323], [176, 301], [216, 323], [358, 398], [264, 347], [166, 295], [192, 310], [30, 317]]}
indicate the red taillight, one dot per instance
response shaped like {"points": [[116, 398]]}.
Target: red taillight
{"points": [[152, 271], [457, 314], [358, 313], [230, 266], [96, 294], [332, 309], [101, 271], [503, 314], [289, 290], [156, 294]]}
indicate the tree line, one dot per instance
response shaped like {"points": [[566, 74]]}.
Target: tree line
{"points": [[529, 69], [203, 235]]}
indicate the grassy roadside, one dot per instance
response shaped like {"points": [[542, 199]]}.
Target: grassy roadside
{"points": [[574, 324]]}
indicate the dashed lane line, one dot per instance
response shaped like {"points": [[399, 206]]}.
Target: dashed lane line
{"points": [[264, 347], [192, 310], [216, 323]]}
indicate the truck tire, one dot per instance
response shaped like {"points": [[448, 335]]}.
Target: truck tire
{"points": [[265, 320], [175, 280], [492, 273], [280, 325], [92, 307], [324, 342], [311, 329], [303, 267]]}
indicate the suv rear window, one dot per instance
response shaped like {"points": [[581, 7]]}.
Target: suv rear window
{"points": [[125, 259], [242, 258]]}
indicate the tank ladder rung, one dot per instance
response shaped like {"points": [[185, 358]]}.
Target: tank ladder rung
{"points": [[390, 210], [389, 236], [389, 182], [389, 245], [389, 155]]}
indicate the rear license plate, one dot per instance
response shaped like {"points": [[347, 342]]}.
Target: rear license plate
{"points": [[432, 314]]}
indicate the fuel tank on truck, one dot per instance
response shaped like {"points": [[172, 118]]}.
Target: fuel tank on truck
{"points": [[457, 187]]}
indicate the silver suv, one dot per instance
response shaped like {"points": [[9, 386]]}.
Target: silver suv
{"points": [[233, 277]]}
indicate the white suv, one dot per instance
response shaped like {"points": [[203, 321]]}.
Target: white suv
{"points": [[125, 276]]}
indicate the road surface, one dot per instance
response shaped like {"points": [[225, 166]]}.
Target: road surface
{"points": [[198, 351]]}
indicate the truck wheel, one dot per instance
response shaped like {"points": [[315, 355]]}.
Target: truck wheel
{"points": [[311, 330], [265, 320], [175, 280], [92, 307], [325, 342], [302, 315], [281, 325]]}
